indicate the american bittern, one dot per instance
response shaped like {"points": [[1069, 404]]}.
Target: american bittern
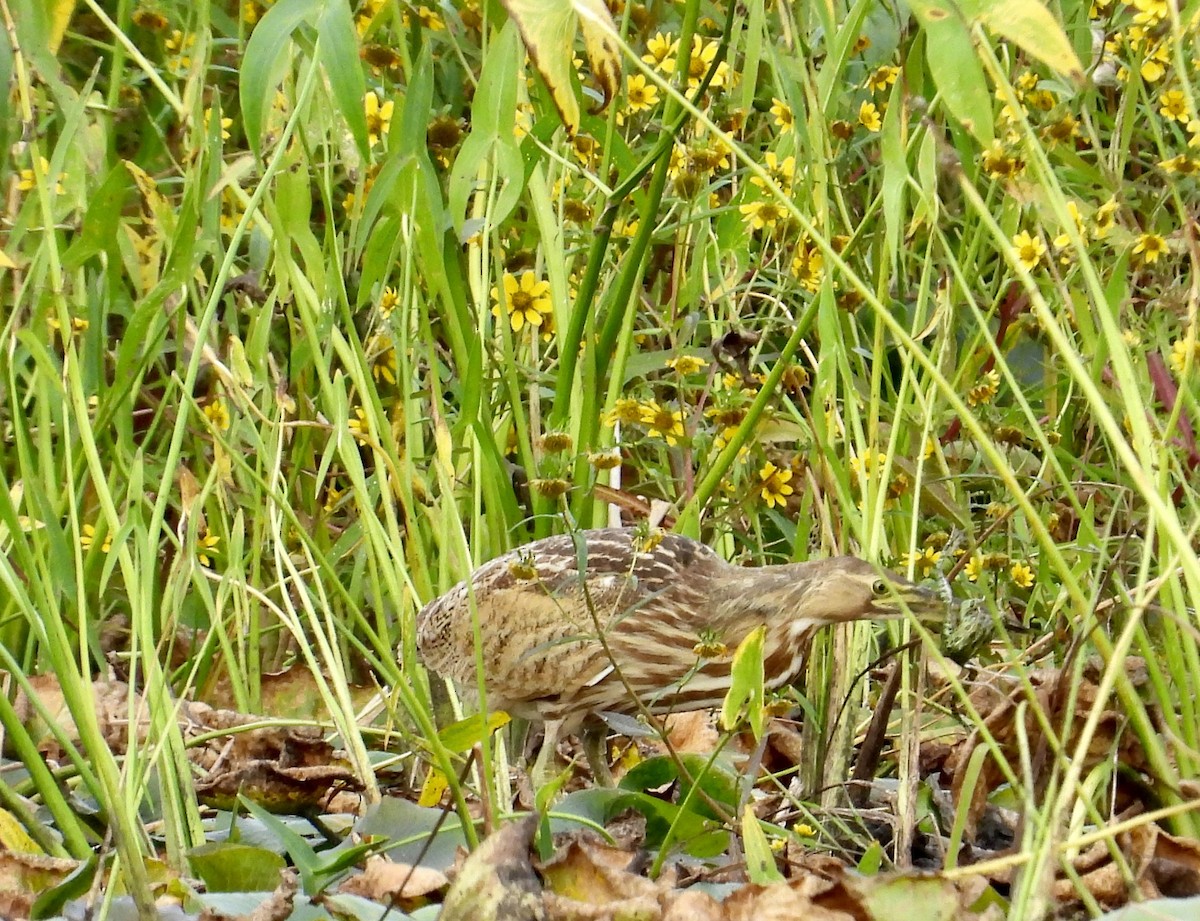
{"points": [[570, 625]]}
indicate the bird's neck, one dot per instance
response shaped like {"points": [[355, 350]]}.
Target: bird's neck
{"points": [[764, 593]]}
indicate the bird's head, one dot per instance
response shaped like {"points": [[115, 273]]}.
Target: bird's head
{"points": [[846, 588]]}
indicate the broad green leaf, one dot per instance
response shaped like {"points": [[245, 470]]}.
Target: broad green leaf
{"points": [[99, 232], [262, 64], [871, 860], [1030, 25], [898, 896], [746, 685], [494, 107], [460, 736], [548, 28], [716, 781], [339, 54], [955, 67], [491, 140], [760, 859], [228, 866]]}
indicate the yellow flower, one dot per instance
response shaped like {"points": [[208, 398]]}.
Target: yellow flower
{"points": [[868, 116], [1154, 64], [1105, 218], [882, 77], [922, 561], [783, 172], [388, 301], [426, 17], [623, 228], [699, 61], [526, 301], [358, 426], [88, 537], [686, 364], [382, 355], [27, 180], [1181, 349], [1183, 165], [640, 95], [333, 496], [773, 484], [986, 390], [206, 548], [1173, 104], [998, 163], [1030, 249], [218, 414], [1150, 12], [585, 148], [226, 123], [808, 265], [379, 117], [785, 121], [762, 213], [974, 567], [1061, 131], [866, 464], [659, 49], [1021, 574], [1149, 247], [179, 45], [625, 411], [523, 120], [662, 421]]}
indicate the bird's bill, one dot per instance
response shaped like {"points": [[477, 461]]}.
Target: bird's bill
{"points": [[918, 600]]}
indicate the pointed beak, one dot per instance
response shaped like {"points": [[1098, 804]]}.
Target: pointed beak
{"points": [[920, 600]]}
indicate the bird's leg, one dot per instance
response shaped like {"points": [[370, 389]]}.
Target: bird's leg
{"points": [[595, 747], [540, 774]]}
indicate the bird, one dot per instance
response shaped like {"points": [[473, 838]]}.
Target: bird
{"points": [[621, 620]]}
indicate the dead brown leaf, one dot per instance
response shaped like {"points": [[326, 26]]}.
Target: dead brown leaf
{"points": [[1002, 702], [23, 877], [394, 883], [590, 881], [1162, 865]]}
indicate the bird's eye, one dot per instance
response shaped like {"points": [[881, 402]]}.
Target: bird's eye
{"points": [[879, 587]]}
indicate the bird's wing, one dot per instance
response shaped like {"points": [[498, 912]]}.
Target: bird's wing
{"points": [[547, 644]]}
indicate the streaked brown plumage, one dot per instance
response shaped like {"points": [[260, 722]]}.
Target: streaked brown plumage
{"points": [[671, 618]]}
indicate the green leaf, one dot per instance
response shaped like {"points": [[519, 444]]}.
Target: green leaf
{"points": [[263, 62], [760, 859], [228, 866], [716, 781], [339, 54], [871, 860], [462, 735], [955, 67], [746, 685], [893, 146], [99, 233]]}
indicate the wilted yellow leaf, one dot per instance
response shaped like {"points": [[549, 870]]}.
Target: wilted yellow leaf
{"points": [[548, 28]]}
